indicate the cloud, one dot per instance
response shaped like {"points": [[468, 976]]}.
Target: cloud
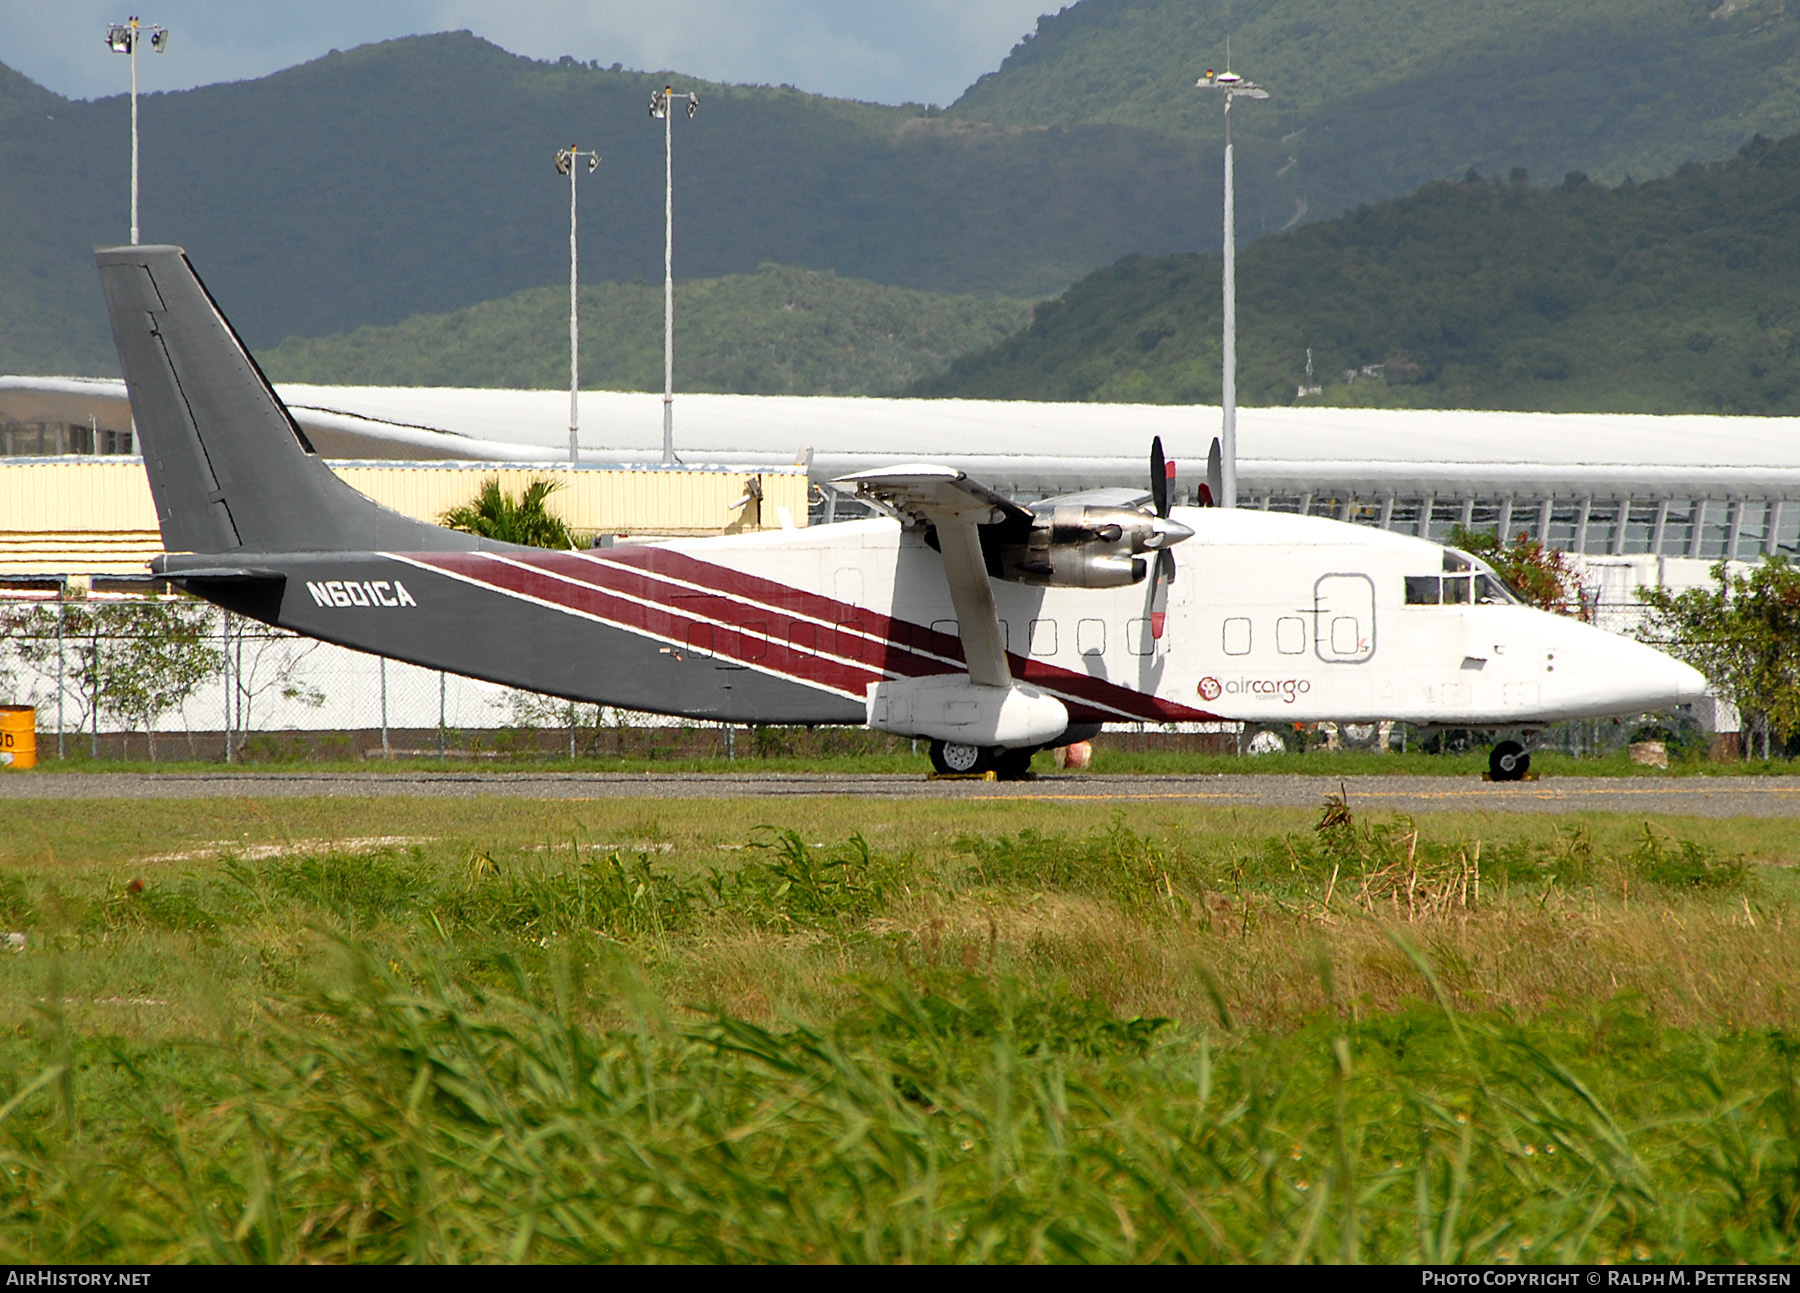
{"points": [[888, 51]]}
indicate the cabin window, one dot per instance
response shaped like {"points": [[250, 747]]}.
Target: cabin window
{"points": [[1290, 635], [1346, 637], [1237, 636], [1423, 590], [1140, 638], [944, 628], [849, 639], [1090, 637], [1043, 637], [804, 638], [752, 641]]}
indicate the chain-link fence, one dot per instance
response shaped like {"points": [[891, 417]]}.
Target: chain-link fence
{"points": [[164, 676]]}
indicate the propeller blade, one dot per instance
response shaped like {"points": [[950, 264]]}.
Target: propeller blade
{"points": [[1215, 474], [1161, 473], [1159, 592]]}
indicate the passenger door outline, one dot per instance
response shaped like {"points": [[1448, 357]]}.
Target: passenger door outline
{"points": [[1344, 596]]}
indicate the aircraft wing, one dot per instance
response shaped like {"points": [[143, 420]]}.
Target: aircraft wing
{"points": [[947, 499]]}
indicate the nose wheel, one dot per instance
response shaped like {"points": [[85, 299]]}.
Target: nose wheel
{"points": [[1508, 761]]}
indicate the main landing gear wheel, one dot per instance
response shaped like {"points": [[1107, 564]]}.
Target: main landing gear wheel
{"points": [[954, 759], [1508, 761], [1013, 765]]}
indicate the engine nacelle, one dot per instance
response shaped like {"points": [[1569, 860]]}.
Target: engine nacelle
{"points": [[1080, 546]]}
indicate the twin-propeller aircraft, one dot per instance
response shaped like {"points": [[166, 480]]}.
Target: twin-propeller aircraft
{"points": [[990, 628]]}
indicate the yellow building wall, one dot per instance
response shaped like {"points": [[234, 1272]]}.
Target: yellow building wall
{"points": [[97, 517]]}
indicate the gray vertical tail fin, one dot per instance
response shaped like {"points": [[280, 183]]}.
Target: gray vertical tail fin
{"points": [[230, 469]]}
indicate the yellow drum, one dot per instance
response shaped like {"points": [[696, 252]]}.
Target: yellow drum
{"points": [[18, 736]]}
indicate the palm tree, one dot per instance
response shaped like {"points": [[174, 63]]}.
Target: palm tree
{"points": [[495, 514]]}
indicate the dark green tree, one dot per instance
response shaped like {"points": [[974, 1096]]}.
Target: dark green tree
{"points": [[496, 514]]}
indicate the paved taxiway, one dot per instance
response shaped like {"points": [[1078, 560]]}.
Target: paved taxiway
{"points": [[1692, 796]]}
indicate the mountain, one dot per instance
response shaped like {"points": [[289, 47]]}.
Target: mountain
{"points": [[1371, 98], [779, 331], [1678, 295], [415, 176]]}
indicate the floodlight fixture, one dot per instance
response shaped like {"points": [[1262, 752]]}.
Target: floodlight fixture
{"points": [[123, 38], [568, 162], [661, 101], [1232, 87]]}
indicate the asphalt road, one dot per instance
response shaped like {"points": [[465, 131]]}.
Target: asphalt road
{"points": [[1691, 796]]}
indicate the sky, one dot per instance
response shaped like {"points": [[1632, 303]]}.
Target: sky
{"points": [[887, 51]]}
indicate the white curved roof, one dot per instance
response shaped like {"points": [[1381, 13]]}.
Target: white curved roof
{"points": [[1023, 445]]}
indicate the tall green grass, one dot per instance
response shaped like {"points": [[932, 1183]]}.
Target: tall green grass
{"points": [[415, 1114], [1368, 1041]]}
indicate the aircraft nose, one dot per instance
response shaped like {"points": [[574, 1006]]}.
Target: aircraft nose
{"points": [[1688, 682]]}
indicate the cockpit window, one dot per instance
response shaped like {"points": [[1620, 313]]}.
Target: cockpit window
{"points": [[1491, 590], [1466, 580]]}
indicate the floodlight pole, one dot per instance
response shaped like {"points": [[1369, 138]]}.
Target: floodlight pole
{"points": [[1235, 87], [122, 38], [568, 163], [661, 106]]}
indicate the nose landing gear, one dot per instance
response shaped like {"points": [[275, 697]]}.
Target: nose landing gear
{"points": [[1508, 761]]}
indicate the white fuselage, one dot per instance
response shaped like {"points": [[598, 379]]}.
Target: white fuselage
{"points": [[1271, 618]]}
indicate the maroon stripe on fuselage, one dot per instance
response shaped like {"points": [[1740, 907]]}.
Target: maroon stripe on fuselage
{"points": [[898, 646], [671, 625], [854, 632]]}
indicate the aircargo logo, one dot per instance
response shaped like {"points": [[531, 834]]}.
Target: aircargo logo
{"points": [[348, 592], [1287, 690]]}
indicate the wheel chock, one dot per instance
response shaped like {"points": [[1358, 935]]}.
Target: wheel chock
{"points": [[1529, 776], [989, 775]]}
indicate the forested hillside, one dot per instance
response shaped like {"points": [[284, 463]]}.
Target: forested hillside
{"points": [[415, 176], [1371, 98], [779, 331], [1677, 295]]}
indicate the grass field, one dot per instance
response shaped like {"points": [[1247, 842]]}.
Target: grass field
{"points": [[833, 1030]]}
